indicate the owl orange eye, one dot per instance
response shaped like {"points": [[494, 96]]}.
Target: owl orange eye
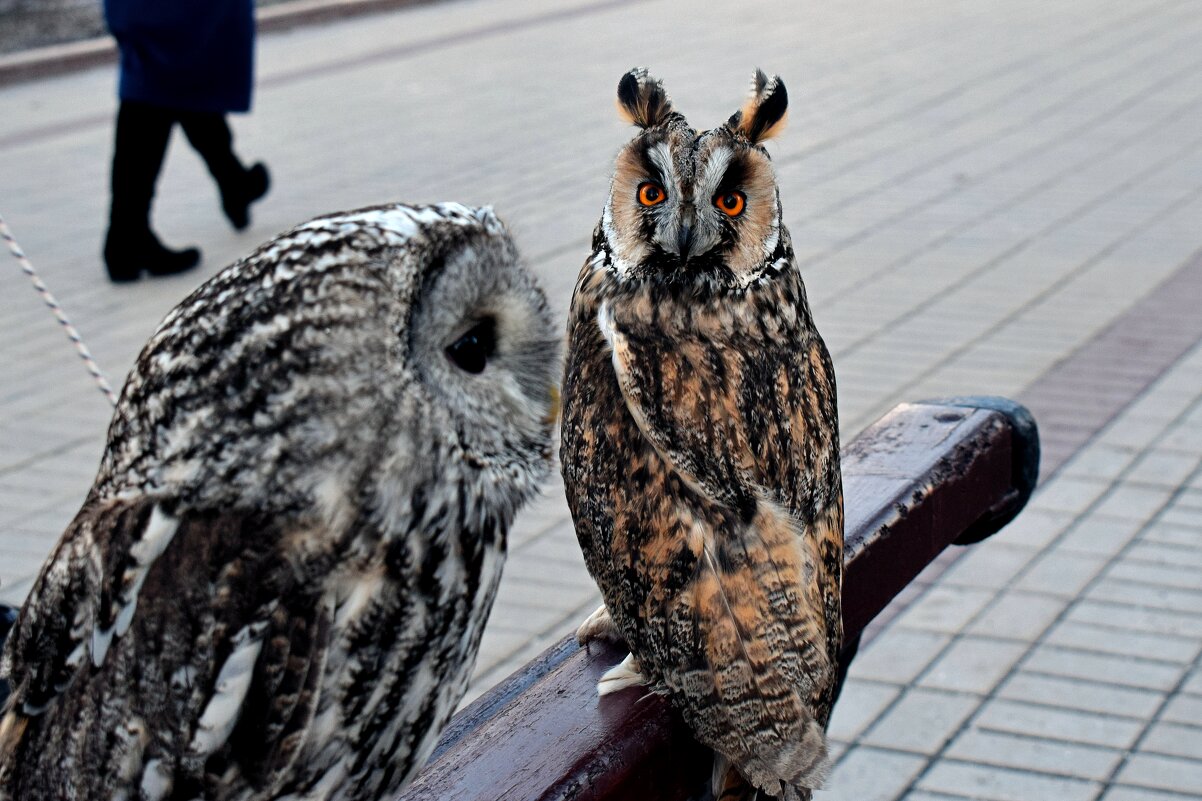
{"points": [[651, 194], [731, 204]]}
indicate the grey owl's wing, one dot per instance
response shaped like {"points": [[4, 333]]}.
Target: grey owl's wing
{"points": [[193, 625]]}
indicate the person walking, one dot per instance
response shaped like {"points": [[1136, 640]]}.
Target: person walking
{"points": [[188, 62]]}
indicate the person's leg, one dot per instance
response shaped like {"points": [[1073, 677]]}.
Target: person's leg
{"points": [[140, 143], [210, 135]]}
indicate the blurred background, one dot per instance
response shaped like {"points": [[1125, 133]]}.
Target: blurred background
{"points": [[986, 197]]}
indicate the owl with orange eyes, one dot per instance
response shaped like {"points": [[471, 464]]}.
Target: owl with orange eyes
{"points": [[700, 445]]}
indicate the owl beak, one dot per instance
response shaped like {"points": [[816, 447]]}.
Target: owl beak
{"points": [[684, 241]]}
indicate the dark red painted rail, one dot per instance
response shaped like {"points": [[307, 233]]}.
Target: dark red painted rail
{"points": [[923, 477]]}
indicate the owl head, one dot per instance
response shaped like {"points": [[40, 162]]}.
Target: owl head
{"points": [[694, 208], [365, 358]]}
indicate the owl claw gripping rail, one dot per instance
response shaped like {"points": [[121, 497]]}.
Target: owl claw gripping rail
{"points": [[925, 476]]}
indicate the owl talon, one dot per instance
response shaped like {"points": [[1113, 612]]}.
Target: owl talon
{"points": [[598, 626], [620, 676]]}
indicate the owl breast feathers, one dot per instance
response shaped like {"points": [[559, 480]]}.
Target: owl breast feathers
{"points": [[700, 444], [277, 584]]}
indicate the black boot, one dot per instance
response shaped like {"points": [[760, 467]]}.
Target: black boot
{"points": [[210, 136], [130, 252], [130, 247], [237, 196]]}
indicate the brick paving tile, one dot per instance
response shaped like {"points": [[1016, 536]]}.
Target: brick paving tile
{"points": [[1125, 670], [1184, 708], [1028, 753], [869, 774], [922, 721], [1121, 793], [860, 704], [945, 609], [1017, 616], [898, 658], [1172, 739], [1148, 596], [1001, 784], [1096, 534], [1087, 637], [1164, 773], [1012, 717], [1062, 573], [1081, 695], [973, 664]]}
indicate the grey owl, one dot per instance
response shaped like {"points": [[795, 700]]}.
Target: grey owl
{"points": [[277, 584], [700, 445]]}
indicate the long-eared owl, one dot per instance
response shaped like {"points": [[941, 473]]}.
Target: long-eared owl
{"points": [[277, 584], [700, 444]]}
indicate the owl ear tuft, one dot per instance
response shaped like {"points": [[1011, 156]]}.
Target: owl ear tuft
{"points": [[642, 100], [763, 116]]}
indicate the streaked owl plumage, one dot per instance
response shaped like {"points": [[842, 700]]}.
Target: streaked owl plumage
{"points": [[700, 445], [277, 585]]}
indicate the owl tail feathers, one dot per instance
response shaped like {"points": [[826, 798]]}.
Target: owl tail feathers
{"points": [[790, 774]]}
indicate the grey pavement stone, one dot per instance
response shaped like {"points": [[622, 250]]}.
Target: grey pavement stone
{"points": [[1134, 502], [1103, 536], [869, 774], [1131, 433], [1002, 784], [1163, 469], [1182, 516], [1087, 637], [1011, 717], [922, 721], [990, 565], [1081, 695], [1062, 573], [945, 609], [1110, 612], [1184, 708], [1034, 528], [973, 665], [1103, 462], [1183, 553], [1123, 793], [1174, 739], [1180, 576], [1125, 670], [1069, 494], [899, 657], [1148, 596], [860, 703], [1018, 616], [1027, 753], [1164, 773]]}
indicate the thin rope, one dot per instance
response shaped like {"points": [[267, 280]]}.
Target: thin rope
{"points": [[60, 315]]}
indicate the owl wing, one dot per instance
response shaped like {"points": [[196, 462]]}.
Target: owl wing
{"points": [[739, 424], [745, 428], [228, 654]]}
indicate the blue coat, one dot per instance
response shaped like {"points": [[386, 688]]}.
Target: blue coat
{"points": [[196, 55]]}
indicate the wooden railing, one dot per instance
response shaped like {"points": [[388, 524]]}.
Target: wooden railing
{"points": [[925, 476]]}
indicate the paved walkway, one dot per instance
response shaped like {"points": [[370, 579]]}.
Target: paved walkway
{"points": [[984, 194]]}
